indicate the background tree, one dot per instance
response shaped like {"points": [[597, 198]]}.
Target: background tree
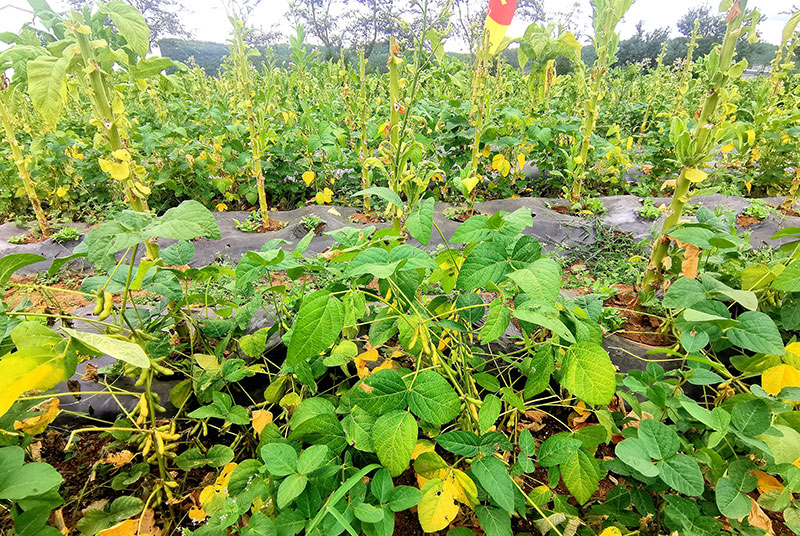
{"points": [[163, 17], [322, 20], [643, 46], [373, 22], [255, 36]]}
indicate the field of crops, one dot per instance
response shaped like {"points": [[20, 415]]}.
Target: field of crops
{"points": [[431, 296]]}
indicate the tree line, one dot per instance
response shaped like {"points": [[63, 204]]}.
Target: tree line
{"points": [[348, 26]]}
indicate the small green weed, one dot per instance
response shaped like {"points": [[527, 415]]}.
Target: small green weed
{"points": [[312, 222], [648, 210], [252, 224], [67, 234], [758, 209]]}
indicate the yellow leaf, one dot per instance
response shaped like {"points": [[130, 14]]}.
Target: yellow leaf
{"points": [[325, 196], [521, 161], [505, 169], [498, 161], [221, 207], [308, 177], [207, 495], [470, 183], [361, 362], [422, 446], [122, 154], [611, 531], [141, 188], [485, 151], [118, 459], [751, 137], [756, 154], [578, 160], [62, 191], [290, 400], [207, 362], [793, 354], [438, 507], [117, 170], [727, 148], [225, 475], [669, 183], [197, 514], [129, 527], [767, 482], [776, 378], [36, 425], [261, 418], [464, 489], [695, 175]]}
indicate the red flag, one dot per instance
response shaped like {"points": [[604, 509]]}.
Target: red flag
{"points": [[501, 13]]}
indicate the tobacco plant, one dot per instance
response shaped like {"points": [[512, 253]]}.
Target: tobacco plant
{"points": [[21, 161], [257, 125], [694, 149], [606, 16]]}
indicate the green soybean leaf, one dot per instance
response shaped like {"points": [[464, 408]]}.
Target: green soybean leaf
{"points": [[387, 392], [433, 399], [47, 85], [557, 449], [581, 474], [384, 193], [632, 452], [682, 473], [758, 333], [494, 522], [541, 282], [291, 487], [752, 417], [588, 374], [730, 501], [312, 459], [420, 222], [494, 478], [395, 436], [489, 412], [659, 440], [319, 324], [280, 459], [460, 442], [496, 322], [130, 23], [11, 263], [486, 263], [683, 293], [124, 351]]}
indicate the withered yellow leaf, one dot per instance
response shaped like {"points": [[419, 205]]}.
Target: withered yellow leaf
{"points": [[767, 482], [36, 425], [118, 459]]}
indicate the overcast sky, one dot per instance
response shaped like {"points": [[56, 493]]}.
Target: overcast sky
{"points": [[208, 22]]}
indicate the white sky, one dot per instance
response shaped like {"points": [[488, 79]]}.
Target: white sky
{"points": [[207, 19]]}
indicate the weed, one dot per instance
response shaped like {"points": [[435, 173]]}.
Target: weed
{"points": [[312, 222], [648, 210], [758, 209], [67, 234]]}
